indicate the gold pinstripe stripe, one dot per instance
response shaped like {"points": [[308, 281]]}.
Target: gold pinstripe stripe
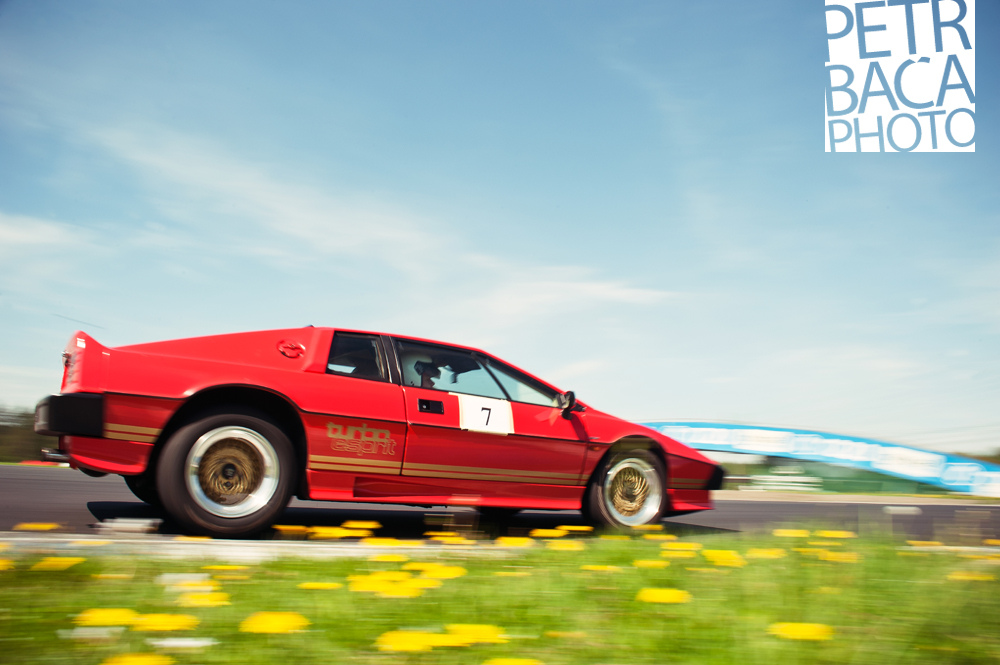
{"points": [[322, 466], [353, 461], [130, 437], [480, 469], [131, 429], [538, 480]]}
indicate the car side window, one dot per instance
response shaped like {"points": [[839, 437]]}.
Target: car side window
{"points": [[523, 388], [447, 369], [356, 355]]}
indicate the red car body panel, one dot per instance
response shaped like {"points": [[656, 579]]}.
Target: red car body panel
{"points": [[364, 440]]}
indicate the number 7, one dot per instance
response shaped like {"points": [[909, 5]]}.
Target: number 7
{"points": [[488, 411]]}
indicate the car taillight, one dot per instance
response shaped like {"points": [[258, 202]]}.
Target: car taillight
{"points": [[69, 368]]}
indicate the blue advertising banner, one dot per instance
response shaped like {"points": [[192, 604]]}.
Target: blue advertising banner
{"points": [[952, 472]]}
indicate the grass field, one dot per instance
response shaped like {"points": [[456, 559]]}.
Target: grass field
{"points": [[561, 597]]}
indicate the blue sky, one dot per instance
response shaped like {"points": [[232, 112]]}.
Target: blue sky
{"points": [[629, 199]]}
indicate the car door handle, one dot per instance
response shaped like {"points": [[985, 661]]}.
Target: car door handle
{"points": [[430, 406]]}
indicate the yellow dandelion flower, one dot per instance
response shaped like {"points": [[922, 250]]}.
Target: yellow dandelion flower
{"points": [[659, 536], [801, 631], [230, 578], [714, 571], [564, 634], [672, 596], [89, 543], [191, 539], [970, 576], [512, 661], [791, 533], [399, 590], [36, 526], [444, 572], [210, 599], [225, 567], [194, 586], [106, 616], [924, 543], [389, 558], [511, 541], [320, 585], [648, 527], [164, 622], [361, 524], [765, 553], [422, 583], [138, 659], [681, 547], [809, 551], [336, 533], [381, 576], [434, 534], [839, 557], [565, 545], [274, 622], [404, 640], [453, 540], [52, 563], [726, 558], [291, 529], [600, 568], [4, 546], [579, 528], [478, 633], [421, 565], [112, 576], [6, 564], [836, 534], [614, 536], [678, 554], [547, 533], [992, 542], [382, 542], [824, 543], [650, 563]]}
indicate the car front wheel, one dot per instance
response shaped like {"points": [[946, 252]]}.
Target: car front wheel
{"points": [[627, 490], [228, 475]]}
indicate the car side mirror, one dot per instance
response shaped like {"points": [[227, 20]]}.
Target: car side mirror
{"points": [[568, 402]]}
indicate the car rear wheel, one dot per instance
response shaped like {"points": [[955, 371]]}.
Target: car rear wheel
{"points": [[627, 490], [227, 475]]}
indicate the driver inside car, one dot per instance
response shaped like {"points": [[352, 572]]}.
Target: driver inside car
{"points": [[419, 370]]}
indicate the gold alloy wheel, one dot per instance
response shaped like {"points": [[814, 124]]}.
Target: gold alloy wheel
{"points": [[633, 492], [232, 472]]}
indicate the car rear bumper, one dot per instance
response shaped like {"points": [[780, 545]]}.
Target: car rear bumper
{"points": [[79, 414]]}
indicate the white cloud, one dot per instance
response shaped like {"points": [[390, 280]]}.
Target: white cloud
{"points": [[20, 233]]}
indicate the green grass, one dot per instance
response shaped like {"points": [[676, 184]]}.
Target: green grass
{"points": [[884, 607]]}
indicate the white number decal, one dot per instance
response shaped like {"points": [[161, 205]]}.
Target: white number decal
{"points": [[485, 414]]}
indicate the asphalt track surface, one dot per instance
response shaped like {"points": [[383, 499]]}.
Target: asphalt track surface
{"points": [[87, 506]]}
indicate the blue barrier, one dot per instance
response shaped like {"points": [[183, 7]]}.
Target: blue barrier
{"points": [[952, 472]]}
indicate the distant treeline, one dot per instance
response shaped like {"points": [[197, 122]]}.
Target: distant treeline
{"points": [[18, 441]]}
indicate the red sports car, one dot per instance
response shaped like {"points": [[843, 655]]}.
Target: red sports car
{"points": [[221, 431]]}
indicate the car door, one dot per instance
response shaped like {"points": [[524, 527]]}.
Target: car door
{"points": [[467, 437], [355, 420]]}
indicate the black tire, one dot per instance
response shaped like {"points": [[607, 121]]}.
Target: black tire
{"points": [[627, 490], [227, 475], [143, 486]]}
